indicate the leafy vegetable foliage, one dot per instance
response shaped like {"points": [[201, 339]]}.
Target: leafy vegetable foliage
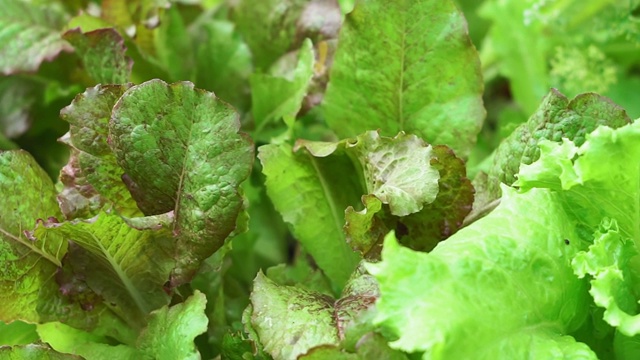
{"points": [[383, 75], [358, 234]]}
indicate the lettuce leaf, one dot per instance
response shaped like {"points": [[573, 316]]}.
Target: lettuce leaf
{"points": [[127, 267], [27, 264], [169, 334], [30, 34], [557, 117], [383, 78], [501, 288], [195, 159], [597, 181], [103, 54]]}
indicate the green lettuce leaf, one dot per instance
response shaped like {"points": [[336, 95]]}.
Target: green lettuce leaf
{"points": [[195, 159], [607, 263], [383, 76], [597, 178], [556, 118], [311, 194], [30, 34], [103, 54], [27, 264], [172, 330], [169, 335], [69, 340], [33, 268], [223, 62], [33, 352], [17, 333], [598, 181], [501, 288], [125, 266], [274, 97]]}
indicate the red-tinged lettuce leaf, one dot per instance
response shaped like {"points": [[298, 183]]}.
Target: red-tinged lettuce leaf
{"points": [[29, 34], [268, 27], [416, 70], [127, 267], [370, 346], [311, 194], [320, 20], [302, 274], [27, 265], [194, 160], [420, 191], [33, 352], [445, 215], [500, 288], [274, 97], [289, 321], [92, 178], [103, 54], [556, 118]]}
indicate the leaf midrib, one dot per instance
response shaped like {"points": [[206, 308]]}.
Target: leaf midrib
{"points": [[31, 246], [124, 278], [326, 189]]}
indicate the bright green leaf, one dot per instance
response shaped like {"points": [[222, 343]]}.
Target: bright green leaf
{"points": [[607, 261], [500, 288], [66, 339], [311, 194], [598, 178], [171, 330], [195, 159], [556, 118], [274, 97], [395, 71], [17, 333]]}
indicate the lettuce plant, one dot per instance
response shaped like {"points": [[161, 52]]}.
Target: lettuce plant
{"points": [[319, 179]]}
